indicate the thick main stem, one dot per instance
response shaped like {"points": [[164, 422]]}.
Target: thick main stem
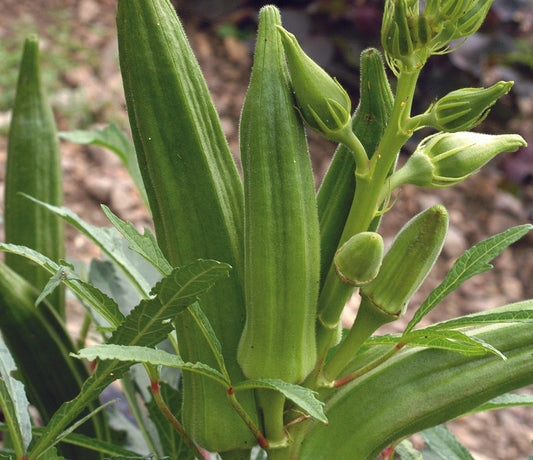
{"points": [[365, 204]]}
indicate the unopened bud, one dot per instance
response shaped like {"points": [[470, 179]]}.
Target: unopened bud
{"points": [[445, 159], [323, 103], [465, 108], [358, 260], [408, 261]]}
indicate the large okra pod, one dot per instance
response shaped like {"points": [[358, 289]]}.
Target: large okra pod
{"points": [[195, 196], [281, 224], [33, 167], [338, 187], [40, 346]]}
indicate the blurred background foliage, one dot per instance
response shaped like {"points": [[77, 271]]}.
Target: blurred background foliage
{"points": [[334, 32]]}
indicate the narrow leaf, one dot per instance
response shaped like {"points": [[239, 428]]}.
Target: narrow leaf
{"points": [[108, 240], [442, 442], [51, 286], [112, 138], [302, 397], [506, 400], [145, 244], [104, 305], [14, 403], [520, 312], [472, 262], [147, 355], [209, 334], [148, 324], [450, 340]]}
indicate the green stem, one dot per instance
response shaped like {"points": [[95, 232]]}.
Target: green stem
{"points": [[368, 320], [174, 421], [235, 455], [366, 202], [272, 404], [84, 332], [247, 419]]}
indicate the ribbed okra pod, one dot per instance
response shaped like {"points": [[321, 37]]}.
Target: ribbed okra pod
{"points": [[40, 345], [195, 196], [33, 167], [281, 224], [337, 190]]}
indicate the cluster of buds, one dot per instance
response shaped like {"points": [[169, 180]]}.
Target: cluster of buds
{"points": [[445, 159], [409, 35]]}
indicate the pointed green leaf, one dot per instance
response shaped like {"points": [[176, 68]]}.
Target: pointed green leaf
{"points": [[436, 338], [504, 401], [148, 324], [14, 403], [145, 244], [108, 240], [172, 443], [442, 442], [104, 305], [147, 355], [472, 262], [450, 340], [210, 336], [519, 312], [302, 397], [51, 286], [112, 138]]}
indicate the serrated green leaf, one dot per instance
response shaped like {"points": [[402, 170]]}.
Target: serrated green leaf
{"points": [[519, 312], [107, 239], [504, 401], [406, 451], [145, 244], [112, 138], [172, 443], [103, 304], [14, 403], [147, 355], [443, 443], [450, 340], [472, 262], [209, 334], [301, 396], [51, 286], [148, 324]]}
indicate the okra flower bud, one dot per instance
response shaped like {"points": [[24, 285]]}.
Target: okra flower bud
{"points": [[465, 108], [323, 103], [445, 159], [408, 261], [358, 260]]}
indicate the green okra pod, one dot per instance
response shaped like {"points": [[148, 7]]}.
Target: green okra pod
{"points": [[196, 200], [281, 223], [33, 167], [408, 261]]}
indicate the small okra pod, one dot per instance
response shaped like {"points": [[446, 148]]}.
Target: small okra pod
{"points": [[358, 260], [408, 261]]}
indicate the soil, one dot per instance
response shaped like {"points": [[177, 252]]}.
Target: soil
{"points": [[478, 208]]}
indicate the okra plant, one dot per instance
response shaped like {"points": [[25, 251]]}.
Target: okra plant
{"points": [[228, 340]]}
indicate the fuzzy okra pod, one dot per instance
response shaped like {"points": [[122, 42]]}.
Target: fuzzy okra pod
{"points": [[33, 167], [196, 199], [281, 224], [281, 239]]}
